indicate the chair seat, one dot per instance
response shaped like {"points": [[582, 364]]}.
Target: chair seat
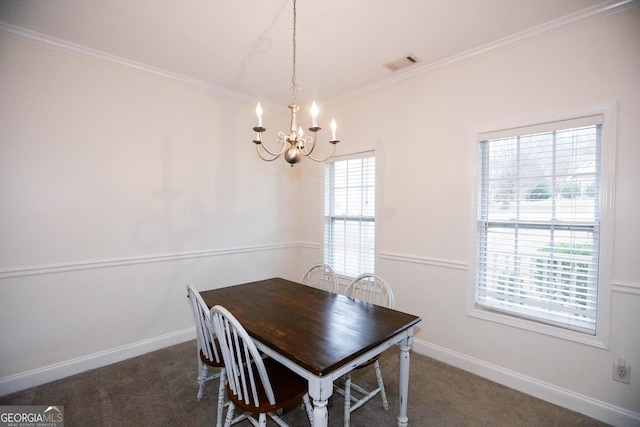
{"points": [[212, 362], [288, 388]]}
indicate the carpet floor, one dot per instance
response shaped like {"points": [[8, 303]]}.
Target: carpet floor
{"points": [[159, 389]]}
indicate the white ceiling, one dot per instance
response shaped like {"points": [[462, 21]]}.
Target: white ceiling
{"points": [[245, 45]]}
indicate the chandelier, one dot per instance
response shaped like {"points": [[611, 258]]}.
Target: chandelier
{"points": [[294, 145]]}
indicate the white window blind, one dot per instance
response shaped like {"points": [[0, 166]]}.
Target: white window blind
{"points": [[349, 232], [539, 222]]}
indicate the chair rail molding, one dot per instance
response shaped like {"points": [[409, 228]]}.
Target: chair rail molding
{"points": [[143, 259], [434, 262], [625, 287], [309, 245]]}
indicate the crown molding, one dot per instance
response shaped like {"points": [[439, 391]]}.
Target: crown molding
{"points": [[561, 24], [558, 25], [89, 53]]}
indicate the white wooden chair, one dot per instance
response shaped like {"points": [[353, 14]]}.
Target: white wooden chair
{"points": [[209, 355], [321, 276], [255, 385], [374, 289]]}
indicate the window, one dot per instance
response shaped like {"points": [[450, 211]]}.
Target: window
{"points": [[349, 211], [539, 224]]}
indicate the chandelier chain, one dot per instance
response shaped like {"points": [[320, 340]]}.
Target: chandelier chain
{"points": [[294, 86]]}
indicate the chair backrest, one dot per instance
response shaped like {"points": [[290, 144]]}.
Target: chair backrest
{"points": [[246, 373], [321, 276], [204, 331], [371, 288]]}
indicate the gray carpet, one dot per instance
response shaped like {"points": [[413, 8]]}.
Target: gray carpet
{"points": [[159, 389]]}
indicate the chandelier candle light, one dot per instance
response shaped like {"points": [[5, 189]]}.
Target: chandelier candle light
{"points": [[298, 145]]}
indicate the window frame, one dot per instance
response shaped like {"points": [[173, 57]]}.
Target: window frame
{"points": [[609, 125], [327, 216]]}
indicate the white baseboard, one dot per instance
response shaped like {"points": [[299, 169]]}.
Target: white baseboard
{"points": [[25, 380], [576, 402]]}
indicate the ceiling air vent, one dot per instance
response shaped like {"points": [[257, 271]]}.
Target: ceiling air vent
{"points": [[403, 62]]}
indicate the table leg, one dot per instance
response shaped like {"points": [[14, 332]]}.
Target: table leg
{"points": [[320, 413], [320, 390], [403, 381]]}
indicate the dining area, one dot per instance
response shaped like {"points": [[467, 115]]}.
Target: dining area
{"points": [[275, 344], [169, 387]]}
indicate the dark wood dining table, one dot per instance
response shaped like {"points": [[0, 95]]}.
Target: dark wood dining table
{"points": [[318, 334]]}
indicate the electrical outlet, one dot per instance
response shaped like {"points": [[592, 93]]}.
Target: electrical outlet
{"points": [[621, 371]]}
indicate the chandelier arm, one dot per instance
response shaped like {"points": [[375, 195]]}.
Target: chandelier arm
{"points": [[265, 158], [333, 150], [281, 140], [311, 140], [272, 154]]}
